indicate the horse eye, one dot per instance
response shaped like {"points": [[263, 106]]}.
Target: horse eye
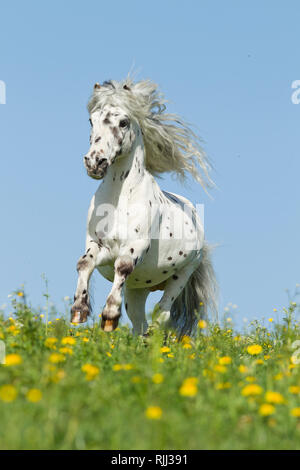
{"points": [[91, 122], [124, 123]]}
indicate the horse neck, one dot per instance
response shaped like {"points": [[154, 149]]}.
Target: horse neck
{"points": [[126, 173]]}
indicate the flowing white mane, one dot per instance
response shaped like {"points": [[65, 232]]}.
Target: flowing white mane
{"points": [[171, 146]]}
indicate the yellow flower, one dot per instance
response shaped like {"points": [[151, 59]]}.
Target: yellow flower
{"points": [[192, 356], [34, 395], [259, 361], [165, 349], [128, 366], [251, 390], [170, 355], [56, 357], [66, 350], [202, 324], [90, 371], [266, 409], [186, 339], [157, 378], [108, 354], [50, 342], [223, 385], [295, 412], [219, 368], [187, 346], [68, 340], [20, 294], [266, 357], [8, 393], [117, 367], [243, 369], [270, 320], [13, 360], [225, 360], [189, 387], [153, 412], [1, 335], [295, 389], [254, 349], [85, 339], [237, 338], [274, 397], [161, 359]]}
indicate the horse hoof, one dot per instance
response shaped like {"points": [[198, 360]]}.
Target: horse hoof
{"points": [[109, 325], [79, 315]]}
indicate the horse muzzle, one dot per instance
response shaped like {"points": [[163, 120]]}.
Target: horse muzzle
{"points": [[97, 169]]}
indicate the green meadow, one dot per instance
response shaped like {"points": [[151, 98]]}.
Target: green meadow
{"points": [[70, 387]]}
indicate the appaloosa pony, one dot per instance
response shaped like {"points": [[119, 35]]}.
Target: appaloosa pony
{"points": [[139, 237]]}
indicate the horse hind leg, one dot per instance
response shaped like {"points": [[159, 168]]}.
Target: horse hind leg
{"points": [[135, 300], [174, 287]]}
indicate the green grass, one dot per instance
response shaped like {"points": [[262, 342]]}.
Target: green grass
{"points": [[107, 409]]}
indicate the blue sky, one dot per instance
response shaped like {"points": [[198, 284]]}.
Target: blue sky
{"points": [[226, 67]]}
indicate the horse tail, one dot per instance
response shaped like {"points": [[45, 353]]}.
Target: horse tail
{"points": [[197, 298]]}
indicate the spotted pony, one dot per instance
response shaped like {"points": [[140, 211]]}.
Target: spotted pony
{"points": [[139, 237]]}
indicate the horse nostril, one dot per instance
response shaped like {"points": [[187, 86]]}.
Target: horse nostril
{"points": [[102, 161], [85, 158]]}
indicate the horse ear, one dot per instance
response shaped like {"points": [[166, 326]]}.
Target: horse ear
{"points": [[126, 87], [97, 86]]}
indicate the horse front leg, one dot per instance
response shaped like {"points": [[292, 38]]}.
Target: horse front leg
{"points": [[86, 264], [124, 266]]}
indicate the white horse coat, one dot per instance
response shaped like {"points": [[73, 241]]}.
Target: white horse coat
{"points": [[139, 237]]}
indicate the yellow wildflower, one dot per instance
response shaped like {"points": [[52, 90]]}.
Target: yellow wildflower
{"points": [[225, 360], [66, 350], [274, 397], [50, 342], [90, 371], [8, 393], [153, 412], [219, 368], [128, 366], [243, 369], [259, 361], [68, 340], [266, 409], [270, 320], [13, 360], [85, 339], [202, 324], [157, 378], [34, 395], [251, 390], [56, 357], [295, 389], [117, 367], [20, 294], [189, 387], [222, 385], [254, 349], [187, 346], [165, 349], [108, 354], [296, 412]]}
